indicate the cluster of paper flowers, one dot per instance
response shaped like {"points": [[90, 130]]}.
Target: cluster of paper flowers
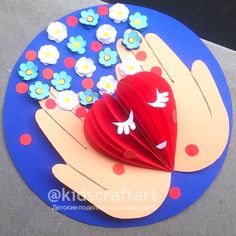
{"points": [[84, 66]]}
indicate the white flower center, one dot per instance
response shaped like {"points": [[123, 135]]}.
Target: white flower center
{"points": [[67, 100], [85, 67], [57, 31], [107, 85], [106, 34], [119, 13], [131, 68], [48, 54]]}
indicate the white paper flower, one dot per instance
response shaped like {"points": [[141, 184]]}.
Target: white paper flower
{"points": [[130, 66], [57, 31], [107, 84], [106, 34], [48, 54], [67, 100], [119, 13], [85, 67]]}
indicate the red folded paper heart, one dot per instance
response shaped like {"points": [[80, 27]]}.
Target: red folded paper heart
{"points": [[137, 125]]}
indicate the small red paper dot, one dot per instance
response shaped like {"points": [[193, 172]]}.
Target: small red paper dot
{"points": [[72, 21], [25, 139], [192, 150], [156, 70], [119, 169], [81, 112], [96, 46], [141, 56], [50, 103], [69, 62], [103, 10], [48, 73], [129, 154], [87, 83], [21, 88], [30, 55], [175, 192]]}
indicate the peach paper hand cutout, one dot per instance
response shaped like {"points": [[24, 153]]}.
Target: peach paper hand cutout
{"points": [[202, 134]]}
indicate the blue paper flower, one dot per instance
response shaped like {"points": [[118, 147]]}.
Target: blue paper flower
{"points": [[138, 21], [39, 91], [131, 39], [77, 44], [89, 18], [88, 97], [61, 81], [28, 71], [107, 57]]}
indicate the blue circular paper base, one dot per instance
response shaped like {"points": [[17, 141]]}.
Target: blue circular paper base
{"points": [[35, 161]]}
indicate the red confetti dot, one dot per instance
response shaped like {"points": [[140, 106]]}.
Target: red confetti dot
{"points": [[103, 10], [129, 154], [69, 62], [25, 139], [119, 169], [72, 21], [87, 83], [81, 112], [48, 73], [30, 55], [156, 70], [174, 116], [96, 46], [50, 103], [21, 88], [192, 150], [141, 56], [175, 192]]}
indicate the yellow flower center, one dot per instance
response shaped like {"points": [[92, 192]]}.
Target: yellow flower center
{"points": [[28, 72], [131, 68], [39, 91], [137, 22], [48, 54], [85, 67], [76, 44], [106, 34], [131, 40], [61, 81], [119, 13], [107, 57], [107, 85], [89, 18], [89, 98], [57, 31], [67, 100]]}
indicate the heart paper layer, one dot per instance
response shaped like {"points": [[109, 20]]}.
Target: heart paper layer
{"points": [[137, 125]]}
